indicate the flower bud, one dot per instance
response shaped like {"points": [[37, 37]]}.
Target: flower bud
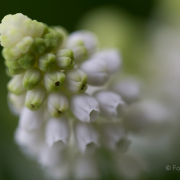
{"points": [[32, 28], [111, 104], [15, 85], [14, 67], [57, 104], [97, 71], [76, 81], [35, 97], [47, 62], [39, 29], [27, 60], [27, 27], [53, 34], [38, 46], [25, 44], [84, 107], [63, 37], [50, 44], [53, 80], [57, 130], [11, 53], [111, 57], [11, 38], [80, 52], [86, 136], [32, 78], [65, 59], [87, 38], [51, 40], [11, 21]]}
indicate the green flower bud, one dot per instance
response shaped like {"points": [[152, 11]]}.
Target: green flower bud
{"points": [[55, 35], [35, 97], [38, 47], [80, 52], [15, 85], [13, 36], [53, 80], [14, 67], [76, 81], [27, 60], [11, 53], [57, 104], [50, 44], [39, 29], [25, 44], [63, 36], [32, 28], [51, 40], [47, 62], [65, 59], [32, 78]]}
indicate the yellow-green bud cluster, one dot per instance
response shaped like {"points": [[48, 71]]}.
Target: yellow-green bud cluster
{"points": [[40, 64]]}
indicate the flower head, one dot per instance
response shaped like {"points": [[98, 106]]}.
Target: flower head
{"points": [[51, 71]]}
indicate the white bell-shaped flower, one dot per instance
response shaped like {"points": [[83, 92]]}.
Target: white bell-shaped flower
{"points": [[87, 137], [96, 70], [31, 120], [52, 156], [35, 98], [111, 57], [111, 104], [57, 104], [129, 89], [57, 130], [76, 81], [32, 142], [84, 107]]}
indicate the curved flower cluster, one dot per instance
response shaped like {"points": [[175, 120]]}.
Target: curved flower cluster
{"points": [[50, 73]]}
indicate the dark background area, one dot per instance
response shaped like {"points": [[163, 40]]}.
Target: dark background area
{"points": [[68, 12]]}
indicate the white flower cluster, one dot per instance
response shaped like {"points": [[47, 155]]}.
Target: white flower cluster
{"points": [[50, 71]]}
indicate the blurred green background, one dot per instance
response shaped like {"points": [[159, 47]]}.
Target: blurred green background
{"points": [[69, 14]]}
